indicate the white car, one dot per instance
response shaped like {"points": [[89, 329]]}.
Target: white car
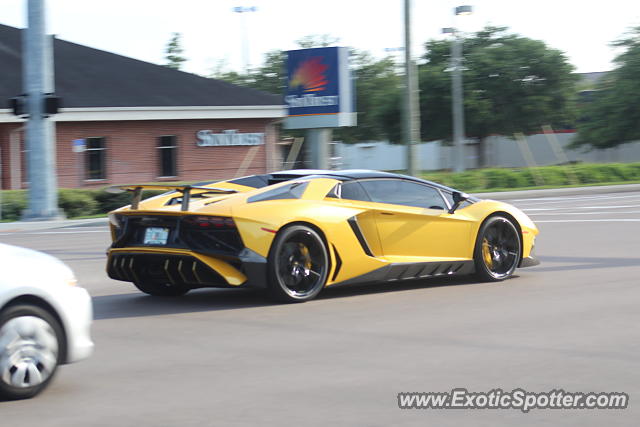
{"points": [[44, 320]]}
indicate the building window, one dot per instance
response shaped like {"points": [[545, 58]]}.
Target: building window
{"points": [[95, 157], [167, 153]]}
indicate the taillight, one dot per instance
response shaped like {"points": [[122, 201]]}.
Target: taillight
{"points": [[210, 222]]}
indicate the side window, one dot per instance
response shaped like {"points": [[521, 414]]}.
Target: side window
{"points": [[291, 191], [402, 192], [352, 190]]}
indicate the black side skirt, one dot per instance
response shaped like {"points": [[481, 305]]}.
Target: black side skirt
{"points": [[412, 271]]}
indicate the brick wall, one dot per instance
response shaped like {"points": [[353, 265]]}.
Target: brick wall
{"points": [[132, 156]]}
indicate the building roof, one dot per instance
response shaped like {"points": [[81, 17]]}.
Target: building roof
{"points": [[92, 78]]}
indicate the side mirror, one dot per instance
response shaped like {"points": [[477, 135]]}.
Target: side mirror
{"points": [[458, 199]]}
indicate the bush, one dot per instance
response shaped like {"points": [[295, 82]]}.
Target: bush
{"points": [[81, 202], [502, 178], [77, 202], [495, 178], [551, 175], [111, 201], [467, 181], [13, 202]]}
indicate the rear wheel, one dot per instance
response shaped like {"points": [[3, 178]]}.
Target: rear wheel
{"points": [[161, 289], [298, 265], [497, 251], [31, 344]]}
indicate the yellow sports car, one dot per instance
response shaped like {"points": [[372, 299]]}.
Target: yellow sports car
{"points": [[295, 232]]}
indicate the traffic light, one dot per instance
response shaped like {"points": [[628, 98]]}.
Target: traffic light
{"points": [[17, 105], [52, 104]]}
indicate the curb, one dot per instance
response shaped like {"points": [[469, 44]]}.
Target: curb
{"points": [[19, 226], [559, 192]]}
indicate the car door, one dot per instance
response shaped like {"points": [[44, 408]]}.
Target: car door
{"points": [[413, 221]]}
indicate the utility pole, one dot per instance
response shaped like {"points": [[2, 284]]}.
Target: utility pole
{"points": [[40, 142], [457, 100], [245, 38], [411, 109], [457, 95]]}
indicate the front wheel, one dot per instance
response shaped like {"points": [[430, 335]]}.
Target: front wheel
{"points": [[31, 343], [298, 265], [497, 250]]}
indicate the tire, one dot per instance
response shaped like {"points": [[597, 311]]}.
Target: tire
{"points": [[497, 251], [161, 289], [32, 343], [298, 265]]}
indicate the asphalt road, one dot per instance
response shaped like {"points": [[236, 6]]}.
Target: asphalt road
{"points": [[227, 357]]}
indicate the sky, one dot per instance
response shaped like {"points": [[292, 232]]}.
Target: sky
{"points": [[212, 33]]}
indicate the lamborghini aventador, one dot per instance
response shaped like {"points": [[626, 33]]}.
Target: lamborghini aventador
{"points": [[293, 233]]}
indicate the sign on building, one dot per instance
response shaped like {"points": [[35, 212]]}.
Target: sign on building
{"points": [[206, 138], [319, 91]]}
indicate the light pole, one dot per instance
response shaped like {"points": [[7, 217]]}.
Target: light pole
{"points": [[245, 39], [40, 130], [411, 110], [457, 94]]}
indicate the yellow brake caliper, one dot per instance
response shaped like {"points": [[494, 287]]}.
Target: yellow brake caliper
{"points": [[307, 257], [486, 253]]}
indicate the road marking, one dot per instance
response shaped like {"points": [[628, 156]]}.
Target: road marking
{"points": [[86, 227], [54, 232], [582, 207], [592, 220], [584, 213], [573, 199]]}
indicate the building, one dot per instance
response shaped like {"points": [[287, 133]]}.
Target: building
{"points": [[138, 122]]}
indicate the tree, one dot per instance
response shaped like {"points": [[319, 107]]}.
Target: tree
{"points": [[378, 89], [610, 115], [269, 77], [174, 52], [511, 84]]}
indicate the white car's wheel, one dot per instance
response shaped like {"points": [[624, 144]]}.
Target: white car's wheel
{"points": [[31, 342]]}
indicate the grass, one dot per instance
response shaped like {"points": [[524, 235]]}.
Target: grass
{"points": [[95, 203], [551, 187]]}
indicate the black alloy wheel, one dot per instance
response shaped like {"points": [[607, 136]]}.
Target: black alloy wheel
{"points": [[497, 250], [298, 264]]}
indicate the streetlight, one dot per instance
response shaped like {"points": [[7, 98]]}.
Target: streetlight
{"points": [[411, 110], [456, 91], [245, 41]]}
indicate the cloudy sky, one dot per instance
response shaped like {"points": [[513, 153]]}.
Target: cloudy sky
{"points": [[213, 33]]}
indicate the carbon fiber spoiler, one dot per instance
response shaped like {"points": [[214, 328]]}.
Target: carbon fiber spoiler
{"points": [[136, 189]]}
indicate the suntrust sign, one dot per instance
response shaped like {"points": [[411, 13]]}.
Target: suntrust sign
{"points": [[206, 138], [319, 91]]}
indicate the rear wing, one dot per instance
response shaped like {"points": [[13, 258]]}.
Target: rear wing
{"points": [[136, 191]]}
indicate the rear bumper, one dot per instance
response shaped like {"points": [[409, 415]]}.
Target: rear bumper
{"points": [[187, 268]]}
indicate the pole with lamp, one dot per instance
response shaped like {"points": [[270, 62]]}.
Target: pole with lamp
{"points": [[411, 110], [245, 39], [457, 94]]}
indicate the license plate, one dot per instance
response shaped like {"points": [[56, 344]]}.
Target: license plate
{"points": [[156, 236]]}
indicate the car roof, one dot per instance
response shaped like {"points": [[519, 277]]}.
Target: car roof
{"points": [[346, 175]]}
